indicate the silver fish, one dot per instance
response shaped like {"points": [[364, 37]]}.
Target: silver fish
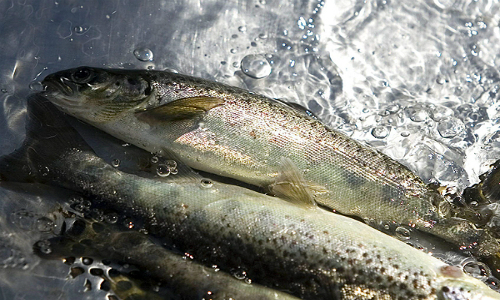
{"points": [[307, 251], [182, 276], [232, 132]]}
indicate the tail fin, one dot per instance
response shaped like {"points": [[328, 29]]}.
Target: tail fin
{"points": [[48, 137]]}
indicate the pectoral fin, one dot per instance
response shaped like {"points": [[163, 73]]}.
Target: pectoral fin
{"points": [[290, 185], [180, 109]]}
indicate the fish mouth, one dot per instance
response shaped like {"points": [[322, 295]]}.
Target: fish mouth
{"points": [[53, 85], [63, 93]]}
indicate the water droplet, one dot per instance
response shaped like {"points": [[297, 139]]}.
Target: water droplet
{"points": [[405, 134], [171, 164], [381, 132], [206, 183], [44, 224], [239, 274], [233, 51], [449, 127], [143, 54], [36, 86], [115, 163], [87, 260], [403, 233], [256, 66], [23, 219], [263, 36], [417, 114], [242, 29], [476, 269], [111, 218], [43, 246], [79, 29], [162, 170]]}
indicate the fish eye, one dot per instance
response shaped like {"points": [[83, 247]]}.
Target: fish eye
{"points": [[82, 75]]}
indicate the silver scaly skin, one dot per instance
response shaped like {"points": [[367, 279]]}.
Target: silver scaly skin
{"points": [[232, 132], [304, 250], [180, 275]]}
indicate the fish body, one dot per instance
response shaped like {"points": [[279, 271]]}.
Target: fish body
{"points": [[309, 252], [231, 132], [181, 276]]}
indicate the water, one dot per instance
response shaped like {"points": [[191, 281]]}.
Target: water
{"points": [[416, 80]]}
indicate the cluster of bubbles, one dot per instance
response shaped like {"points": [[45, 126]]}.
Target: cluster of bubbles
{"points": [[164, 167]]}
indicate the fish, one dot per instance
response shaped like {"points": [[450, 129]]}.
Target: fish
{"points": [[180, 275], [301, 249], [232, 132]]}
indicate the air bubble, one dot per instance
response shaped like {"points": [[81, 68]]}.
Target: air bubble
{"points": [[23, 219], [417, 114], [256, 66], [449, 127], [206, 183], [111, 218], [143, 54], [239, 274], [36, 86], [162, 170], [78, 29], [155, 159], [115, 163], [242, 29], [4, 90], [381, 132], [476, 269], [44, 246], [403, 233], [44, 224]]}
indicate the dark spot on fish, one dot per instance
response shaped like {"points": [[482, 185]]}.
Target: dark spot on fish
{"points": [[382, 270], [117, 83], [76, 271], [69, 260], [105, 286], [96, 271], [445, 289], [147, 91]]}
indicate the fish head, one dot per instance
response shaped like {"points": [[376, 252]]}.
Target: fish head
{"points": [[97, 95]]}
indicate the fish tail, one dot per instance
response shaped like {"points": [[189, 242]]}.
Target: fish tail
{"points": [[48, 137]]}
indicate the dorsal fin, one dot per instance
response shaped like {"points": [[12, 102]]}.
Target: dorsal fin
{"points": [[290, 185], [180, 109]]}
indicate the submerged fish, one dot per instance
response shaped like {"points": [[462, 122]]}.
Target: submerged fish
{"points": [[181, 276], [231, 132], [309, 252]]}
